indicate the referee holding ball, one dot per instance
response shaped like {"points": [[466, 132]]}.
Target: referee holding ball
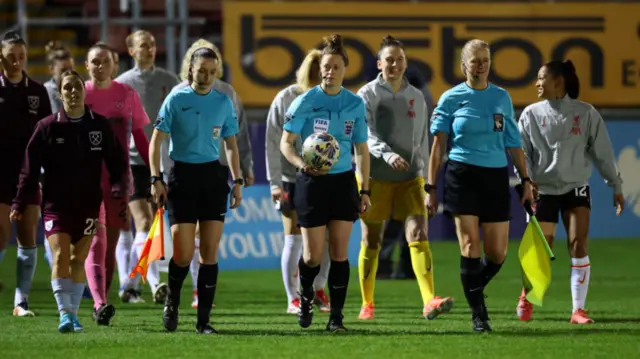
{"points": [[480, 120], [195, 119], [328, 200]]}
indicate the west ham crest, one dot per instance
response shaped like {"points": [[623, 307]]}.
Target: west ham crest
{"points": [[34, 102], [95, 137]]}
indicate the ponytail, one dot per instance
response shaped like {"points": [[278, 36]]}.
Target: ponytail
{"points": [[571, 82], [568, 72]]}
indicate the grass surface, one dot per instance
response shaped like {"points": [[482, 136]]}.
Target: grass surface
{"points": [[251, 317]]}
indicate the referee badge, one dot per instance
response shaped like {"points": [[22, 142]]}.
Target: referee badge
{"points": [[216, 132], [498, 122], [348, 127]]}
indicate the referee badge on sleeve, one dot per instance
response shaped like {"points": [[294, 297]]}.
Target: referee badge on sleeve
{"points": [[498, 122], [158, 121], [216, 132]]}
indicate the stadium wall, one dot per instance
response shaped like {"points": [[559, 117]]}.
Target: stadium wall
{"points": [[253, 233]]}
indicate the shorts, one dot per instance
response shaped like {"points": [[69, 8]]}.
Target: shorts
{"points": [[141, 185], [321, 199], [397, 200], [483, 192], [197, 192], [114, 212], [8, 192], [548, 206], [76, 225], [288, 193]]}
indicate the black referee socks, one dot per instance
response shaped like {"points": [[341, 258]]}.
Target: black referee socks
{"points": [[177, 275], [338, 283], [471, 275], [489, 270], [307, 276], [207, 283]]}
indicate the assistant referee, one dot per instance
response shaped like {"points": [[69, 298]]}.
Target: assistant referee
{"points": [[195, 119], [480, 120]]}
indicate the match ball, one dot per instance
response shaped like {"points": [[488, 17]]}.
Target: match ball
{"points": [[320, 151]]}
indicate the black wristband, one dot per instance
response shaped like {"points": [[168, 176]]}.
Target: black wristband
{"points": [[525, 179], [429, 187], [365, 191], [155, 179]]}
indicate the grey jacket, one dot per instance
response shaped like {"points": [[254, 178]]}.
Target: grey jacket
{"points": [[278, 168], [54, 97], [244, 142], [561, 139], [152, 87], [398, 124]]}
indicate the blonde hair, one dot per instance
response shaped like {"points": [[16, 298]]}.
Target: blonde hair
{"points": [[186, 60], [467, 51], [129, 41], [303, 74]]}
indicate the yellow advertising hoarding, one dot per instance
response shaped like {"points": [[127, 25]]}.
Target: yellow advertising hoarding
{"points": [[264, 42]]}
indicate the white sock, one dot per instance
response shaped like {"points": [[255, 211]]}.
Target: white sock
{"points": [[77, 289], [194, 268], [62, 293], [580, 273], [123, 253], [321, 279], [291, 253], [48, 254]]}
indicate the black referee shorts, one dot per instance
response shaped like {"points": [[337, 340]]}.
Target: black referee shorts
{"points": [[319, 200], [548, 206], [197, 192], [477, 191], [141, 186]]}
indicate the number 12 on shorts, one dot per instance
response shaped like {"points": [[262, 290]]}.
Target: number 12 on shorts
{"points": [[582, 191], [90, 229]]}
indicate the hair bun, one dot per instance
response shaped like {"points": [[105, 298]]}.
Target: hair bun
{"points": [[568, 66], [11, 35], [53, 46], [334, 40]]}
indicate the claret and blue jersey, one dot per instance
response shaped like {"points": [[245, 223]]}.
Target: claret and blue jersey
{"points": [[196, 124], [480, 123], [341, 115]]}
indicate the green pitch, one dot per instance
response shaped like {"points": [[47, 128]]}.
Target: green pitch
{"points": [[251, 317]]}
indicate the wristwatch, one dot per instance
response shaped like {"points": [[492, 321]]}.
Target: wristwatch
{"points": [[525, 179], [365, 191], [155, 179], [238, 181], [428, 187]]}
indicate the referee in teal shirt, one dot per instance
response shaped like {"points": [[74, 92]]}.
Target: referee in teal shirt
{"points": [[477, 118], [196, 119]]}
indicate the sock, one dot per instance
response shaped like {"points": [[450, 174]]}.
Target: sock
{"points": [[338, 284], [422, 264], [77, 289], [48, 254], [123, 255], [291, 252], [61, 287], [95, 268], [110, 261], [580, 274], [307, 276], [27, 259], [471, 276], [367, 269], [177, 275], [321, 279], [194, 267], [489, 270], [2, 252], [207, 282]]}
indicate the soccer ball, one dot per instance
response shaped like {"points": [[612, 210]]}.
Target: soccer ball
{"points": [[320, 151]]}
